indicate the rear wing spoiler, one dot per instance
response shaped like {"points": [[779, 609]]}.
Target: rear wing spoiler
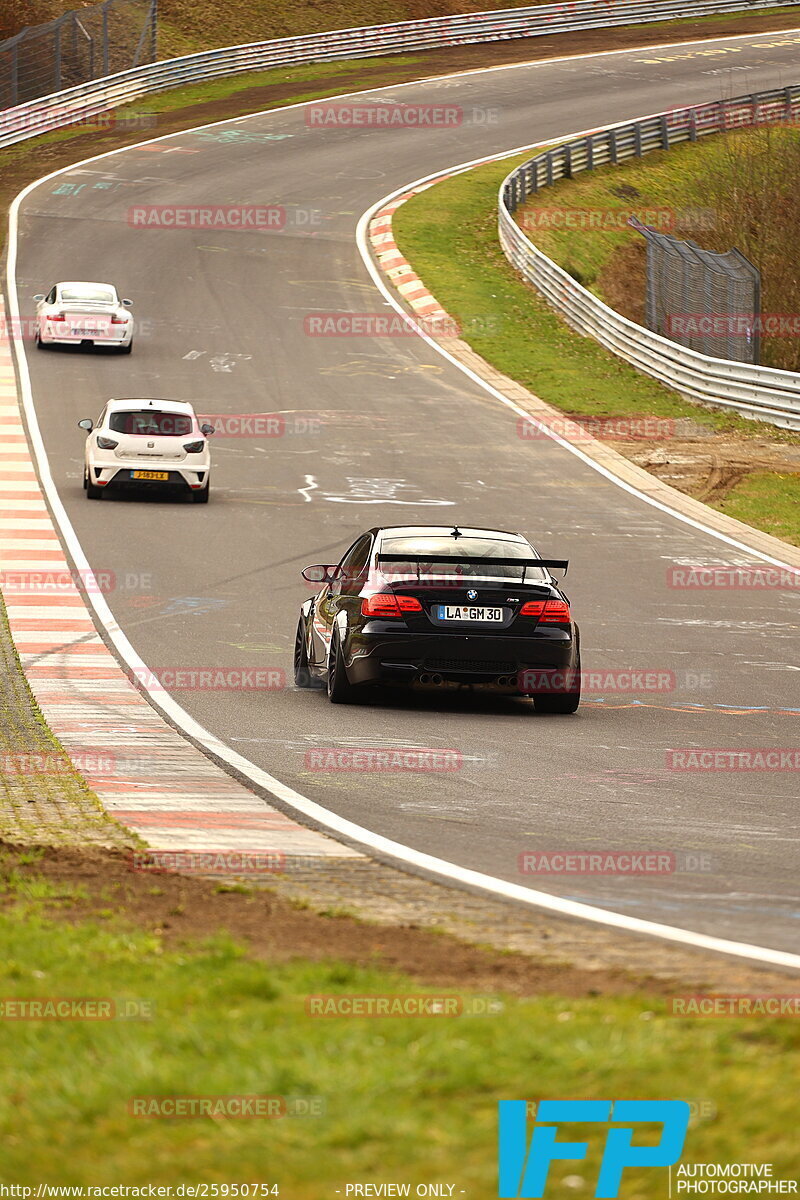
{"points": [[561, 564]]}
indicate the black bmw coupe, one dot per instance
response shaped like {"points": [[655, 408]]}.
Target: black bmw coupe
{"points": [[439, 606]]}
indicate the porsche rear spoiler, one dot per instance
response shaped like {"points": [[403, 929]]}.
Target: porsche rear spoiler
{"points": [[561, 564]]}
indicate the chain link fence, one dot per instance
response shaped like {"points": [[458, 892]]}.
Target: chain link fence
{"points": [[76, 47], [707, 301]]}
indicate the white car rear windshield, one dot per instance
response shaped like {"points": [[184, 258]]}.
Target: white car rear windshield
{"points": [[88, 295], [151, 424]]}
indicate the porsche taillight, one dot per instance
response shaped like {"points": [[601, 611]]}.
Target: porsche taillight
{"points": [[387, 604]]}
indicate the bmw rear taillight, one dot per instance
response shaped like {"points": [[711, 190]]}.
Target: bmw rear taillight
{"points": [[556, 612], [533, 608], [386, 604], [194, 447], [56, 317], [105, 443]]}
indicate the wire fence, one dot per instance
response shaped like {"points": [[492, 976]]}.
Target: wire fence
{"points": [[84, 44], [707, 301]]}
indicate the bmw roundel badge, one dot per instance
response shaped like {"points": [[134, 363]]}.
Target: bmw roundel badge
{"points": [[472, 594]]}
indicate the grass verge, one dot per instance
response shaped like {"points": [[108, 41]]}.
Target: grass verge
{"points": [[402, 1098], [768, 500]]}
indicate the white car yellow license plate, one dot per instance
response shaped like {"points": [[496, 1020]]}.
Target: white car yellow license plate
{"points": [[468, 612], [162, 475]]}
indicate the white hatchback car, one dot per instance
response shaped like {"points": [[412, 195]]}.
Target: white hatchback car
{"points": [[83, 313], [147, 443]]}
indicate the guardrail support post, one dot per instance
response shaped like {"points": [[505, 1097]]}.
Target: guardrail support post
{"points": [[589, 153], [105, 38], [57, 57], [612, 146], [14, 75], [664, 132], [637, 140]]}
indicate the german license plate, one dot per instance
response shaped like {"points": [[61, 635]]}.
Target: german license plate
{"points": [[467, 612], [161, 475]]}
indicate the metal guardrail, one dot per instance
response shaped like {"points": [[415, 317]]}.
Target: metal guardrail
{"points": [[98, 96], [764, 392]]}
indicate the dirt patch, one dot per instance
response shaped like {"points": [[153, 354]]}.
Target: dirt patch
{"points": [[708, 469], [422, 929]]}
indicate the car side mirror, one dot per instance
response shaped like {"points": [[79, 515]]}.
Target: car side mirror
{"points": [[321, 574], [39, 296], [86, 424], [207, 430], [128, 303]]}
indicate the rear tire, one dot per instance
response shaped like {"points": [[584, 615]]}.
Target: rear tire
{"points": [[560, 702], [202, 497], [127, 349], [340, 689], [302, 671], [92, 492]]}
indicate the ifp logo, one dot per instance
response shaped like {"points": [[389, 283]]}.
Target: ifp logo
{"points": [[524, 1170]]}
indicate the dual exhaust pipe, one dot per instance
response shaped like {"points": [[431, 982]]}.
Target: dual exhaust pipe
{"points": [[436, 679]]}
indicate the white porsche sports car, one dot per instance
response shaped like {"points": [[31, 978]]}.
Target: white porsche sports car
{"points": [[85, 314], [147, 443]]}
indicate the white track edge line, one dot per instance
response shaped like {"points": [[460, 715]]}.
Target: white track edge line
{"points": [[186, 724]]}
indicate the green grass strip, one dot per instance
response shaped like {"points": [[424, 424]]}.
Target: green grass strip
{"points": [[406, 1099]]}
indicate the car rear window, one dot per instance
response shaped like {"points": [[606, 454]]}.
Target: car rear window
{"points": [[449, 557], [151, 423], [88, 295]]}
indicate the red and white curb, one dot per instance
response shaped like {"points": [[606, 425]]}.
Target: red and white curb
{"points": [[146, 775], [398, 269]]}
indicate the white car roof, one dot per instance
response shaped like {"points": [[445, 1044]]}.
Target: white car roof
{"points": [[142, 403]]}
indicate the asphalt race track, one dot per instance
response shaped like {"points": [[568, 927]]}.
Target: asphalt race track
{"points": [[386, 431]]}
